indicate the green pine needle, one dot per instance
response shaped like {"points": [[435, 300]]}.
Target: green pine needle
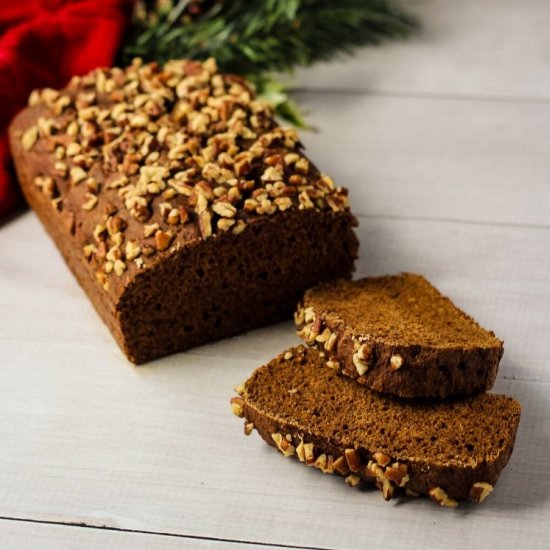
{"points": [[256, 37]]}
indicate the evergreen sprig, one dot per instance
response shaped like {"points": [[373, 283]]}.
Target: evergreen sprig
{"points": [[257, 37]]}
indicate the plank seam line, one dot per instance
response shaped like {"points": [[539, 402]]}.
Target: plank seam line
{"points": [[159, 533], [434, 219], [444, 96], [512, 378]]}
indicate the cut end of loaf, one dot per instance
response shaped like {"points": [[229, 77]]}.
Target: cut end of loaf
{"points": [[136, 171], [399, 335], [457, 447]]}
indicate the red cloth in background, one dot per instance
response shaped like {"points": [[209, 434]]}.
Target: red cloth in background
{"points": [[43, 44]]}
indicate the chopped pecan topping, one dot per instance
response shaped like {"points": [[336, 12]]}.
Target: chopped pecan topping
{"points": [[480, 490], [237, 406], [381, 459], [396, 362], [29, 137], [248, 428], [174, 145], [341, 466], [352, 459], [353, 480], [283, 444], [437, 494]]}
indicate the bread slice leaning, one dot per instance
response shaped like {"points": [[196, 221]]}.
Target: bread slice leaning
{"points": [[450, 450], [399, 335]]}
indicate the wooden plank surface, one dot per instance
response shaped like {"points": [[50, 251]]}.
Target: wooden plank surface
{"points": [[446, 159], [155, 448], [485, 50], [443, 142], [24, 535]]}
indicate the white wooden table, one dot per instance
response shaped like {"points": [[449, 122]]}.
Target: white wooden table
{"points": [[444, 141]]}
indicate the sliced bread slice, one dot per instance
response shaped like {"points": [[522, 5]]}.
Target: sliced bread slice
{"points": [[399, 335], [450, 450]]}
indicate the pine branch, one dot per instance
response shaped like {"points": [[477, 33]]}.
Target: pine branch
{"points": [[257, 37]]}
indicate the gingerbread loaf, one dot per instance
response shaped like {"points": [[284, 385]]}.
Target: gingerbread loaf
{"points": [[450, 450], [399, 335], [185, 212]]}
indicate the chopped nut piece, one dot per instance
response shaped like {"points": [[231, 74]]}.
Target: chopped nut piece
{"points": [[239, 389], [89, 250], [205, 224], [331, 341], [77, 175], [34, 98], [90, 202], [149, 230], [173, 217], [283, 203], [163, 239], [295, 179], [225, 224], [283, 445], [332, 364], [300, 453], [288, 355], [321, 461], [248, 428], [480, 490], [360, 364], [60, 169], [305, 201], [237, 406], [341, 465], [396, 362], [291, 158], [353, 480], [309, 453], [384, 484], [29, 137], [397, 473], [239, 227], [309, 315], [115, 224], [299, 315], [381, 459], [324, 336], [302, 165], [272, 174], [116, 180], [224, 209], [133, 250], [352, 459], [73, 149], [437, 494], [119, 267]]}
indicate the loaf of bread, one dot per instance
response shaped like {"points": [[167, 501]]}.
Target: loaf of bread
{"points": [[184, 211], [450, 450], [399, 335]]}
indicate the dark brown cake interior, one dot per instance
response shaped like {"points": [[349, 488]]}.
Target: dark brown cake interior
{"points": [[231, 284], [400, 310], [301, 391]]}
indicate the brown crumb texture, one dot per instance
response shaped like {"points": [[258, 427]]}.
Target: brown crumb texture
{"points": [[185, 212], [455, 448], [399, 335]]}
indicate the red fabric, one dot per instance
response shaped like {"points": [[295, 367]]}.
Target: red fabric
{"points": [[44, 43]]}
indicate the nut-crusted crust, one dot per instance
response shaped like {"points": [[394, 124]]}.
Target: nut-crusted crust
{"points": [[148, 173], [398, 368], [405, 473]]}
